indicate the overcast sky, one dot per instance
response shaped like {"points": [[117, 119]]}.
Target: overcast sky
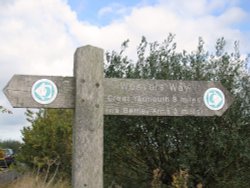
{"points": [[40, 36]]}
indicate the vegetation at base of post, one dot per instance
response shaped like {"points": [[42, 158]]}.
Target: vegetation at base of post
{"points": [[159, 151], [32, 181], [47, 143]]}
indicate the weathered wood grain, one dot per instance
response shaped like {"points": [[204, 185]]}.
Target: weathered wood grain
{"points": [[126, 96], [18, 91], [160, 97], [88, 126]]}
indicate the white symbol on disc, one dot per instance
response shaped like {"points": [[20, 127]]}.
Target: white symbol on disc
{"points": [[44, 91], [214, 99]]}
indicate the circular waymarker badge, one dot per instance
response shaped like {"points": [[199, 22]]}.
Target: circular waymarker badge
{"points": [[214, 99], [44, 91]]}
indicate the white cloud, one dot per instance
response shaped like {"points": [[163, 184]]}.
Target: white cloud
{"points": [[115, 9], [34, 40], [105, 10], [40, 37], [36, 36], [232, 15]]}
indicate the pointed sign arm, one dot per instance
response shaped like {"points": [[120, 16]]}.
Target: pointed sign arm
{"points": [[130, 96], [18, 91]]}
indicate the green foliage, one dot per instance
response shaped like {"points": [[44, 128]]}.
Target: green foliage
{"points": [[214, 150], [4, 110], [146, 151], [13, 144], [47, 142]]}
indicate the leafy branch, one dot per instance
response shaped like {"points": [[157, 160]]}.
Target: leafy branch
{"points": [[4, 110]]}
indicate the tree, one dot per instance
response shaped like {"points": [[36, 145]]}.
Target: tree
{"points": [[13, 144], [48, 141], [160, 151], [4, 110], [214, 151]]}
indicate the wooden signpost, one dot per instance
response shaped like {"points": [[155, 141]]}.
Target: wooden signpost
{"points": [[92, 96]]}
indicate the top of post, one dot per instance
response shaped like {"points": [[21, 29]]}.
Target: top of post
{"points": [[87, 47]]}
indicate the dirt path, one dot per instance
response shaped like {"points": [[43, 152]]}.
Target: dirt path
{"points": [[8, 176]]}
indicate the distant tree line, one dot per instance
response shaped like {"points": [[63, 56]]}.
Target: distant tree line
{"points": [[12, 144]]}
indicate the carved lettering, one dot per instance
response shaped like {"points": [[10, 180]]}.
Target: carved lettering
{"points": [[175, 111], [170, 98], [190, 100], [141, 99], [134, 111], [181, 87], [112, 98], [112, 110], [141, 87], [174, 99]]}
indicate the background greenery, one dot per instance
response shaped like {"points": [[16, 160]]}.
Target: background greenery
{"points": [[159, 151]]}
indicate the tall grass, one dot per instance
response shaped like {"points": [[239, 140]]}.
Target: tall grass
{"points": [[32, 181]]}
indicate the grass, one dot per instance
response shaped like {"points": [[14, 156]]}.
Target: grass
{"points": [[32, 181]]}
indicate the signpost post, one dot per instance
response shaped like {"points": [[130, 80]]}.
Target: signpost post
{"points": [[93, 96]]}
